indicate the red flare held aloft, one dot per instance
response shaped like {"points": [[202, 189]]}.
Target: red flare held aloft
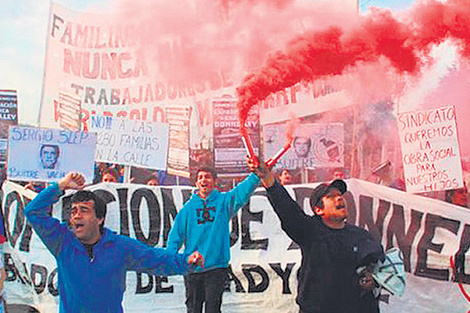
{"points": [[272, 161], [250, 151]]}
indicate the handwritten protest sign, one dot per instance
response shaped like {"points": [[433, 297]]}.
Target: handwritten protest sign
{"points": [[131, 142], [314, 145], [431, 157], [40, 154]]}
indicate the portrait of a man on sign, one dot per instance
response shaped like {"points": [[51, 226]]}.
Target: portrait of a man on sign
{"points": [[302, 146], [49, 155]]}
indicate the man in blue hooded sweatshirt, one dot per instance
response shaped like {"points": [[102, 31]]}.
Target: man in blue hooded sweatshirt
{"points": [[92, 261], [203, 225]]}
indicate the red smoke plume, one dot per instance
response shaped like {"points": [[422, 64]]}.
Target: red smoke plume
{"points": [[377, 35]]}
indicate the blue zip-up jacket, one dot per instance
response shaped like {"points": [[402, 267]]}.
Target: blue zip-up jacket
{"points": [[97, 284], [203, 225]]}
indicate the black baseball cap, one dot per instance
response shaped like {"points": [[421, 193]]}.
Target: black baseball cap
{"points": [[322, 189]]}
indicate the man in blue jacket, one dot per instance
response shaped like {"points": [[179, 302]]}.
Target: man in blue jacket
{"points": [[203, 225], [92, 261], [333, 251]]}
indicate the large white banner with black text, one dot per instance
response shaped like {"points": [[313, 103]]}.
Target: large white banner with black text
{"points": [[264, 260]]}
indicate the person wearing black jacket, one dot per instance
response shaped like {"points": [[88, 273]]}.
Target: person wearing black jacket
{"points": [[332, 250]]}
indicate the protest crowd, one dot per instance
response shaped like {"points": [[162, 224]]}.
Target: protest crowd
{"points": [[150, 184]]}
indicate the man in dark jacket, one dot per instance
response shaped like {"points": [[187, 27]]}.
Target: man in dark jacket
{"points": [[332, 250]]}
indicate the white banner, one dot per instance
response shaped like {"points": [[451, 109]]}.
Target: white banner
{"points": [[264, 260], [41, 154], [430, 149], [131, 142], [98, 58]]}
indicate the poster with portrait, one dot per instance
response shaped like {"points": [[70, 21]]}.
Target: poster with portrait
{"points": [[314, 145], [41, 154]]}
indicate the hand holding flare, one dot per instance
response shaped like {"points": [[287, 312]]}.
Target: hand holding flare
{"points": [[272, 161], [251, 152], [262, 171]]}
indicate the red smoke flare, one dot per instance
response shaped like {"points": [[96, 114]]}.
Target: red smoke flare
{"points": [[291, 126], [378, 35]]}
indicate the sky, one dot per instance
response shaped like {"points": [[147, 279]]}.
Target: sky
{"points": [[23, 25]]}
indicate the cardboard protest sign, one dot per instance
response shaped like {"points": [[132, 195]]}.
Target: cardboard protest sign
{"points": [[314, 145], [131, 142], [41, 154], [430, 149]]}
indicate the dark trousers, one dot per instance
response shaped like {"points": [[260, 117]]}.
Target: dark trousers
{"points": [[206, 287]]}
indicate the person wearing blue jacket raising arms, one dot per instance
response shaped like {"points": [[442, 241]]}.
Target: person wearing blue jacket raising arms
{"points": [[203, 224], [92, 261]]}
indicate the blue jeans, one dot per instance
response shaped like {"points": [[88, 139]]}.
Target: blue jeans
{"points": [[206, 287]]}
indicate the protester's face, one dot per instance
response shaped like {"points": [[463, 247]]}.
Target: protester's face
{"points": [[302, 146], [152, 182], [84, 222], [334, 207], [205, 182], [460, 197], [338, 175], [285, 177], [48, 157], [108, 178]]}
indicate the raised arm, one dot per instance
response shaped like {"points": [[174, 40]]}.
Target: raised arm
{"points": [[294, 221], [39, 211], [240, 195]]}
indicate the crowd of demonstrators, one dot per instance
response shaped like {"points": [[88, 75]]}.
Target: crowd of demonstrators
{"points": [[92, 261], [203, 224], [332, 249], [108, 173]]}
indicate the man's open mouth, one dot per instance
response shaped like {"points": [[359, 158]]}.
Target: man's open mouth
{"points": [[78, 226]]}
